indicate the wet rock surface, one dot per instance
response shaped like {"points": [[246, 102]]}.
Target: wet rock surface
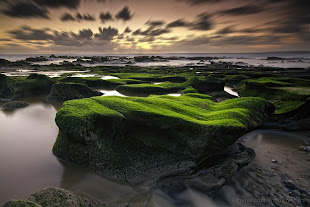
{"points": [[68, 91], [56, 197], [14, 105]]}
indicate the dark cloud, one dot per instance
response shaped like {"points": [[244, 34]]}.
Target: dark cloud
{"points": [[26, 10], [85, 17], [202, 22], [78, 17], [85, 34], [242, 10], [125, 14], [195, 2], [155, 23], [84, 37], [177, 23], [105, 17], [106, 33], [151, 31], [127, 30], [28, 33], [226, 30], [67, 17], [70, 4]]}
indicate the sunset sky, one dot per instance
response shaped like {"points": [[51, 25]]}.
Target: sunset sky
{"points": [[145, 26]]}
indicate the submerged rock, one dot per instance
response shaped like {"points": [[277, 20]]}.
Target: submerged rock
{"points": [[136, 139], [52, 197], [14, 105], [9, 88], [68, 91]]}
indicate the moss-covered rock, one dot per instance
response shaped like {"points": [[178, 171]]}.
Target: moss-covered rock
{"points": [[37, 84], [68, 91], [159, 89], [14, 105], [287, 94], [56, 197], [208, 84], [9, 88], [131, 138]]}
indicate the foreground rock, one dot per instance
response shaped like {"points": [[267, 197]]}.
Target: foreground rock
{"points": [[14, 105], [52, 197], [9, 88], [68, 91], [137, 139]]}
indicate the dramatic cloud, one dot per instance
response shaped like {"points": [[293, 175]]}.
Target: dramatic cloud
{"points": [[242, 10], [226, 30], [106, 33], [105, 17], [67, 17], [125, 14], [203, 22], [26, 10], [85, 17], [70, 4], [82, 38], [127, 30], [28, 33], [155, 23], [178, 23], [78, 17], [194, 2]]}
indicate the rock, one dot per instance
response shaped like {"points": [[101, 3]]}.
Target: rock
{"points": [[148, 88], [305, 148], [9, 88], [274, 161], [37, 84], [135, 139], [296, 193], [14, 105], [209, 84], [68, 91], [291, 185], [56, 197]]}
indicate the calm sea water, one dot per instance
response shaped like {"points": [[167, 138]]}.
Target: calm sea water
{"points": [[301, 59]]}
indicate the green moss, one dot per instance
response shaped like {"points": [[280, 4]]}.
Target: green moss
{"points": [[9, 87], [37, 83], [189, 89], [287, 94], [189, 126]]}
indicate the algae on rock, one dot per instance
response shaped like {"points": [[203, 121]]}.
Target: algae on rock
{"points": [[133, 139]]}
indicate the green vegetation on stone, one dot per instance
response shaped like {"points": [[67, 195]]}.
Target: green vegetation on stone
{"points": [[125, 136]]}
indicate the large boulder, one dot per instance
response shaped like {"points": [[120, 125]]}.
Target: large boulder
{"points": [[68, 91], [56, 197], [135, 139], [14, 105], [9, 88]]}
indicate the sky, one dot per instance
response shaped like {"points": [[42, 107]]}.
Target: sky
{"points": [[149, 27]]}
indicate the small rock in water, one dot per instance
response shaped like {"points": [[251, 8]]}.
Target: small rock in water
{"points": [[14, 105], [274, 160]]}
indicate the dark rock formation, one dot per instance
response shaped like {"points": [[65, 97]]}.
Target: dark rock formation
{"points": [[136, 139], [14, 105], [68, 91], [9, 88]]}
